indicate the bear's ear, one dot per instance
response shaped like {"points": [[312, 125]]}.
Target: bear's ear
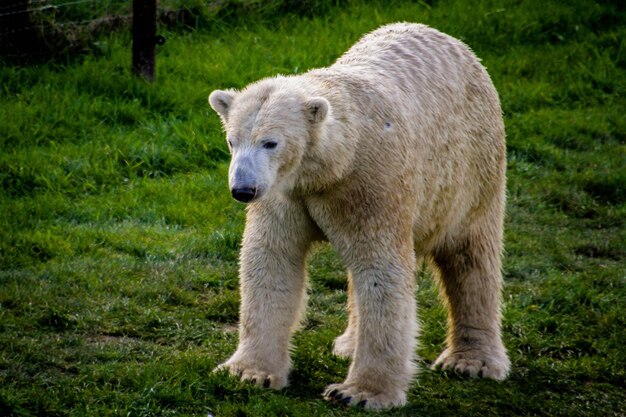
{"points": [[316, 109], [220, 101]]}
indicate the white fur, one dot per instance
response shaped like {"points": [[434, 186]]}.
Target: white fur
{"points": [[393, 154]]}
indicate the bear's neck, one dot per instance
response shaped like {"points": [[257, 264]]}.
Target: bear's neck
{"points": [[330, 156]]}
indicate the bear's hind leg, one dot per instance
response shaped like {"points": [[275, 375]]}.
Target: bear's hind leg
{"points": [[344, 344], [470, 280]]}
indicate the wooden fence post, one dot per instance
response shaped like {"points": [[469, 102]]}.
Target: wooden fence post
{"points": [[144, 38]]}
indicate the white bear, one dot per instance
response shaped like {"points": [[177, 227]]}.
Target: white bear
{"points": [[394, 154]]}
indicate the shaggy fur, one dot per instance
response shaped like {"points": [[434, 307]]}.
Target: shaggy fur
{"points": [[393, 154]]}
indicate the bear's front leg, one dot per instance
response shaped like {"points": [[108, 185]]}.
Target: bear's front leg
{"points": [[386, 326], [272, 285]]}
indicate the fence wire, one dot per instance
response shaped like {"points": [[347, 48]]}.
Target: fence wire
{"points": [[25, 23], [14, 5], [47, 7]]}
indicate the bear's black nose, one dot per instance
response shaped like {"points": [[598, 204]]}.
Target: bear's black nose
{"points": [[244, 194]]}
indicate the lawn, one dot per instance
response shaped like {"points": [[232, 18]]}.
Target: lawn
{"points": [[119, 239]]}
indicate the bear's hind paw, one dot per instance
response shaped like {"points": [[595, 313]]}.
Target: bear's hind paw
{"points": [[474, 364], [343, 346], [255, 376]]}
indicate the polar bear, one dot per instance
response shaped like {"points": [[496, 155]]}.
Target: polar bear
{"points": [[393, 154]]}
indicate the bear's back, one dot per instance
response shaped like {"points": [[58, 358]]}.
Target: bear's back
{"points": [[412, 55], [443, 117]]}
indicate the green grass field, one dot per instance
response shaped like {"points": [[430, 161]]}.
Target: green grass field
{"points": [[119, 239]]}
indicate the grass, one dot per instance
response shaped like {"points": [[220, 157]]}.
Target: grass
{"points": [[119, 241]]}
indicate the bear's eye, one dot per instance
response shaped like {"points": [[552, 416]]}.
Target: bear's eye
{"points": [[270, 144], [230, 143]]}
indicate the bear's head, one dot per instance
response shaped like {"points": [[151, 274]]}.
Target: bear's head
{"points": [[269, 128]]}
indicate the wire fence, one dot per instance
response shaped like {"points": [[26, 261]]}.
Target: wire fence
{"points": [[31, 27], [53, 27], [46, 7], [36, 15], [49, 28]]}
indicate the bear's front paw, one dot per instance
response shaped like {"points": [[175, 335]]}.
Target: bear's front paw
{"points": [[354, 395], [254, 374], [474, 363]]}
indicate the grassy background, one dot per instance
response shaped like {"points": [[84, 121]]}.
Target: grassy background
{"points": [[119, 241]]}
